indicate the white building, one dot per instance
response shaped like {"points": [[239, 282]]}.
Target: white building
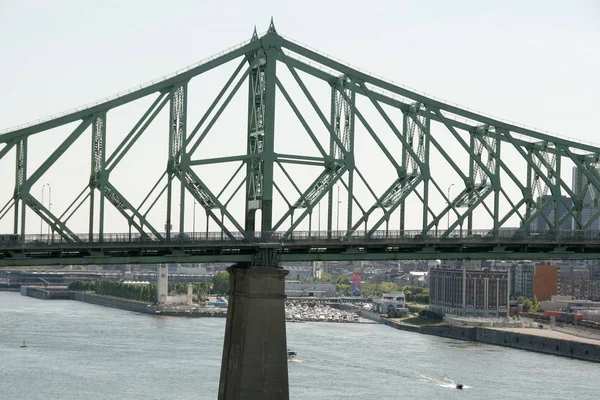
{"points": [[390, 302], [309, 289]]}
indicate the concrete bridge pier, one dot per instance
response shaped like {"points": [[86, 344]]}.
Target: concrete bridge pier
{"points": [[254, 364]]}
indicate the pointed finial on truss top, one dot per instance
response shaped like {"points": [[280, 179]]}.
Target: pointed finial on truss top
{"points": [[254, 35], [272, 27]]}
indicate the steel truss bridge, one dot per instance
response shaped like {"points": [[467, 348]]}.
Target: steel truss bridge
{"points": [[395, 203]]}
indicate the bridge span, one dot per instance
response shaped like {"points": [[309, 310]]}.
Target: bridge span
{"points": [[131, 248]]}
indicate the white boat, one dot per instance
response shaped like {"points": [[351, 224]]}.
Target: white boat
{"points": [[291, 354]]}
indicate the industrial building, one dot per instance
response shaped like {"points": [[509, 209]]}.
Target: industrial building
{"points": [[481, 293]]}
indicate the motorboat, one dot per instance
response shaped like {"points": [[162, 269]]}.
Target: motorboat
{"points": [[291, 354], [459, 385]]}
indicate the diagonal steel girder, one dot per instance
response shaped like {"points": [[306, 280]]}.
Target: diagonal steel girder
{"points": [[23, 185], [206, 199], [338, 66], [160, 85], [331, 174], [315, 57], [532, 166], [7, 147], [276, 45], [317, 191], [55, 223]]}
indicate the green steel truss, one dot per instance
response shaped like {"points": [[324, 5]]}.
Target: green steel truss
{"points": [[542, 176]]}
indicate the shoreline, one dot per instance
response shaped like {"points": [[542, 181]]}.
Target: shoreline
{"points": [[142, 307], [555, 343], [530, 339]]}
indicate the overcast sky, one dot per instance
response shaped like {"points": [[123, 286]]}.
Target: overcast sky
{"points": [[533, 62]]}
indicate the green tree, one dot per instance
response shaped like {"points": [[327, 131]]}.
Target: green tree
{"points": [[343, 280], [527, 304], [325, 278], [343, 289], [221, 282], [387, 287]]}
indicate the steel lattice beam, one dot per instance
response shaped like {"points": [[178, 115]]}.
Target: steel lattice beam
{"points": [[269, 64]]}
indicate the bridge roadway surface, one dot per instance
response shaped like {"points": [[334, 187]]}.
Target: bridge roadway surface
{"points": [[124, 248]]}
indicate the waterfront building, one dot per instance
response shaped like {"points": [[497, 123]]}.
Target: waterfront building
{"points": [[481, 293], [309, 289], [394, 301], [569, 304], [544, 283]]}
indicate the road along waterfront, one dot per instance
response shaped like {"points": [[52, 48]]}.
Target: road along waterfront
{"points": [[83, 351]]}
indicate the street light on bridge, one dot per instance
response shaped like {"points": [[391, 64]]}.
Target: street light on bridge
{"points": [[41, 219], [49, 204], [448, 215], [194, 219]]}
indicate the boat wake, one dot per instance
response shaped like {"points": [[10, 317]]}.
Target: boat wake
{"points": [[444, 382], [295, 360]]}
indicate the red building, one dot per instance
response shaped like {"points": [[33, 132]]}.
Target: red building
{"points": [[544, 282]]}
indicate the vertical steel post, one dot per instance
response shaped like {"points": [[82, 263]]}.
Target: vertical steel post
{"points": [[349, 130], [332, 152], [97, 174], [20, 190], [177, 126], [556, 190], [471, 183], [405, 167], [427, 175], [530, 200], [497, 186], [269, 139], [579, 196], [261, 135]]}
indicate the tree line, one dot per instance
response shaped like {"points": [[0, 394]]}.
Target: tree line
{"points": [[148, 292], [220, 286], [413, 294]]}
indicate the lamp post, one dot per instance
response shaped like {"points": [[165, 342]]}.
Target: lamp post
{"points": [[448, 216], [338, 209], [49, 202], [319, 219], [41, 219], [194, 219]]}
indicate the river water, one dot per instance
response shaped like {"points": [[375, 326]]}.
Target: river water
{"points": [[82, 351]]}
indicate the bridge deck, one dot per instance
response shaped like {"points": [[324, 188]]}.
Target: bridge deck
{"points": [[215, 247]]}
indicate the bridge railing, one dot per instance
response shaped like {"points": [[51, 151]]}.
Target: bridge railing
{"points": [[301, 237]]}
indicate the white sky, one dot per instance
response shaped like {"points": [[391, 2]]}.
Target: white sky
{"points": [[535, 63]]}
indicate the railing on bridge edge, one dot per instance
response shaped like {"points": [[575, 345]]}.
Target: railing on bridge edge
{"points": [[303, 237]]}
